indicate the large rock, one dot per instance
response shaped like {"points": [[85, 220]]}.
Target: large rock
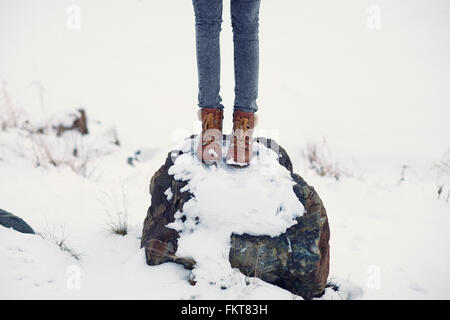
{"points": [[297, 260], [9, 220]]}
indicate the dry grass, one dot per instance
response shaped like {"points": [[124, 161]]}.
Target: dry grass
{"points": [[42, 143], [49, 150], [9, 114], [321, 160], [442, 169], [403, 173], [58, 236]]}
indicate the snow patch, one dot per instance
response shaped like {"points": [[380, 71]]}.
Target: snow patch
{"points": [[226, 201]]}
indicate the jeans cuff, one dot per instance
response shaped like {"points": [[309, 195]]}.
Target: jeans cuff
{"points": [[220, 106], [243, 109]]}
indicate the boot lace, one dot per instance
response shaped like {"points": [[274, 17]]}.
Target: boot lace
{"points": [[208, 121], [241, 127]]}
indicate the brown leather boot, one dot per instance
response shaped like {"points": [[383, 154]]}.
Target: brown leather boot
{"points": [[209, 149], [241, 144]]}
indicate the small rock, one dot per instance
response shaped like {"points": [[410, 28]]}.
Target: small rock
{"points": [[9, 220], [297, 260], [79, 124]]}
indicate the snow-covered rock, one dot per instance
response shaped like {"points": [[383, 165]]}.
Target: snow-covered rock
{"points": [[8, 220], [229, 225]]}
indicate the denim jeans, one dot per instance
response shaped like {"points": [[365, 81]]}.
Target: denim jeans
{"points": [[245, 23]]}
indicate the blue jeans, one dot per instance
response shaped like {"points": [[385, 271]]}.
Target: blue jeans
{"points": [[245, 23]]}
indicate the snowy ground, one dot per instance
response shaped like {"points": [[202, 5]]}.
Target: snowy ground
{"points": [[379, 97]]}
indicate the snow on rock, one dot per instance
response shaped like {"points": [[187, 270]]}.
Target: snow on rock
{"points": [[210, 206], [257, 200], [9, 220]]}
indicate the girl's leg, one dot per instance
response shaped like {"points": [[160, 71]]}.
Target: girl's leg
{"points": [[208, 20], [245, 22]]}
